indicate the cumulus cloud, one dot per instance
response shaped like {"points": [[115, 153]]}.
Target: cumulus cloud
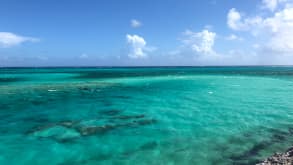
{"points": [[137, 46], [43, 58], [272, 5], [280, 27], [276, 29], [135, 23], [233, 19], [8, 39], [197, 47], [83, 56], [200, 42]]}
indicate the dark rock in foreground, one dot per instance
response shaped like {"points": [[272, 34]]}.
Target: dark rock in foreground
{"points": [[280, 158]]}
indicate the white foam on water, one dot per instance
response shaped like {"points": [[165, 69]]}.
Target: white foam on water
{"points": [[52, 90]]}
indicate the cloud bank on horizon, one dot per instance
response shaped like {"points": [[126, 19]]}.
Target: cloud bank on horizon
{"points": [[264, 36]]}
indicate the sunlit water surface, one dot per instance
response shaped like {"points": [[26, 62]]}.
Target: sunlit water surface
{"points": [[201, 115]]}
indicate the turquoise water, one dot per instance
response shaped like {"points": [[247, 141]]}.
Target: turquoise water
{"points": [[200, 115]]}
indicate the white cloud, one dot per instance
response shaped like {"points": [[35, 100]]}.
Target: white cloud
{"points": [[236, 22], [197, 48], [135, 23], [208, 27], [233, 19], [8, 39], [83, 56], [272, 5], [200, 42], [280, 27], [137, 46], [275, 29], [43, 58], [233, 37]]}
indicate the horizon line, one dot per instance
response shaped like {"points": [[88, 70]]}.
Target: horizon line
{"points": [[146, 66]]}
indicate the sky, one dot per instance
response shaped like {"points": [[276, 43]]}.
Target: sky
{"points": [[145, 32]]}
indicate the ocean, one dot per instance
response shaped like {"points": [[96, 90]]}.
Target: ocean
{"points": [[144, 115]]}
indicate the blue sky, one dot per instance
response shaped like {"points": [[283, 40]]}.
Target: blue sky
{"points": [[145, 32]]}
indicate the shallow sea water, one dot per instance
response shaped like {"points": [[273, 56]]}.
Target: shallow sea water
{"points": [[183, 115]]}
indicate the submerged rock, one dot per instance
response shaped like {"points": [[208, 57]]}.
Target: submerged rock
{"points": [[127, 117], [67, 130], [61, 131], [57, 132], [111, 112], [279, 158], [149, 146], [90, 130], [84, 88], [145, 121], [68, 124]]}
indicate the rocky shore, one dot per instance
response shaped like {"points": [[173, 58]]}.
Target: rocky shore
{"points": [[285, 158]]}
